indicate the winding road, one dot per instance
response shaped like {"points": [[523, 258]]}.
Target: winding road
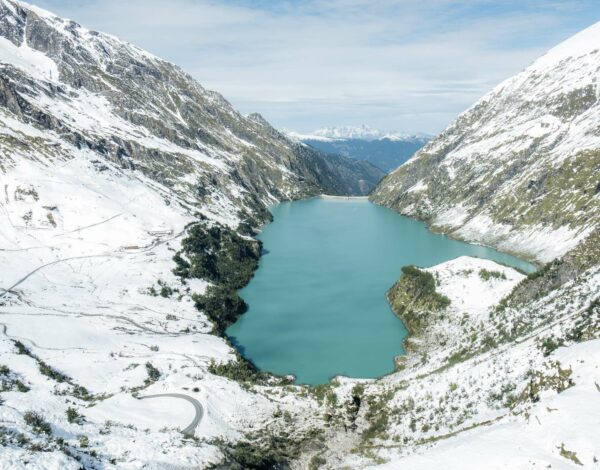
{"points": [[23, 279], [154, 244], [191, 428]]}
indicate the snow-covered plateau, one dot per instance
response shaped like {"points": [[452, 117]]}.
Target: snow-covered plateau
{"points": [[110, 158]]}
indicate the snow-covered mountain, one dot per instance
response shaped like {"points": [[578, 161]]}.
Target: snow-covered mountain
{"points": [[127, 193], [362, 132], [385, 150], [518, 170], [96, 93]]}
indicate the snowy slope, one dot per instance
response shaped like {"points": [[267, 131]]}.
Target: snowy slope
{"points": [[130, 107], [469, 397], [543, 438], [519, 169], [79, 251]]}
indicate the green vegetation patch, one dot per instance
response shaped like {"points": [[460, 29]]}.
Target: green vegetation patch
{"points": [[568, 454], [77, 391], [586, 328], [251, 456], [164, 290], [414, 296], [217, 254], [574, 103], [554, 274], [557, 197], [153, 374], [52, 373], [555, 378], [74, 417], [241, 370], [270, 451], [10, 381], [486, 275], [37, 423], [222, 304], [378, 416]]}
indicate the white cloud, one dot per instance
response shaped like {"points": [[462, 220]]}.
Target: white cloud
{"points": [[408, 65]]}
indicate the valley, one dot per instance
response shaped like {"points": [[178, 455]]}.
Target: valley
{"points": [[384, 150], [133, 203]]}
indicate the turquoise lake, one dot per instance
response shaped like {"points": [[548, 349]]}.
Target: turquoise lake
{"points": [[317, 305]]}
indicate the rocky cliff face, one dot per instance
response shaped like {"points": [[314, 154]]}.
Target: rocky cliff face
{"points": [[86, 90], [519, 170]]}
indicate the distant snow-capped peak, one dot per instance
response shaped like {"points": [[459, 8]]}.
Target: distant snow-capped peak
{"points": [[362, 132], [349, 132]]}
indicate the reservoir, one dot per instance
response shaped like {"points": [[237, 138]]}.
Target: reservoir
{"points": [[317, 305]]}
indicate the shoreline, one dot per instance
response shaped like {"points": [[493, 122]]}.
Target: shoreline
{"points": [[410, 333], [440, 230], [400, 359]]}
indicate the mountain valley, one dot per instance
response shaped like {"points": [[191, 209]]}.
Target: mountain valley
{"points": [[130, 198]]}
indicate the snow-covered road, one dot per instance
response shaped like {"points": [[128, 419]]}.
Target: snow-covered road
{"points": [[191, 428]]}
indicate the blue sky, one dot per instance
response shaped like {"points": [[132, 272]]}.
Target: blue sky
{"points": [[406, 65]]}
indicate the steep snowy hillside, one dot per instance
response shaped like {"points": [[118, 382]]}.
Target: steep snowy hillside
{"points": [[93, 91], [501, 371], [384, 150], [519, 170]]}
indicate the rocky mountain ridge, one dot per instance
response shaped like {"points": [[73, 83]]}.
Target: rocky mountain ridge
{"points": [[93, 91], [362, 132], [519, 169]]}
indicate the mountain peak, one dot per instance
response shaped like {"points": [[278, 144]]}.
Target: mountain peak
{"points": [[362, 132], [259, 119], [583, 43], [349, 132]]}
